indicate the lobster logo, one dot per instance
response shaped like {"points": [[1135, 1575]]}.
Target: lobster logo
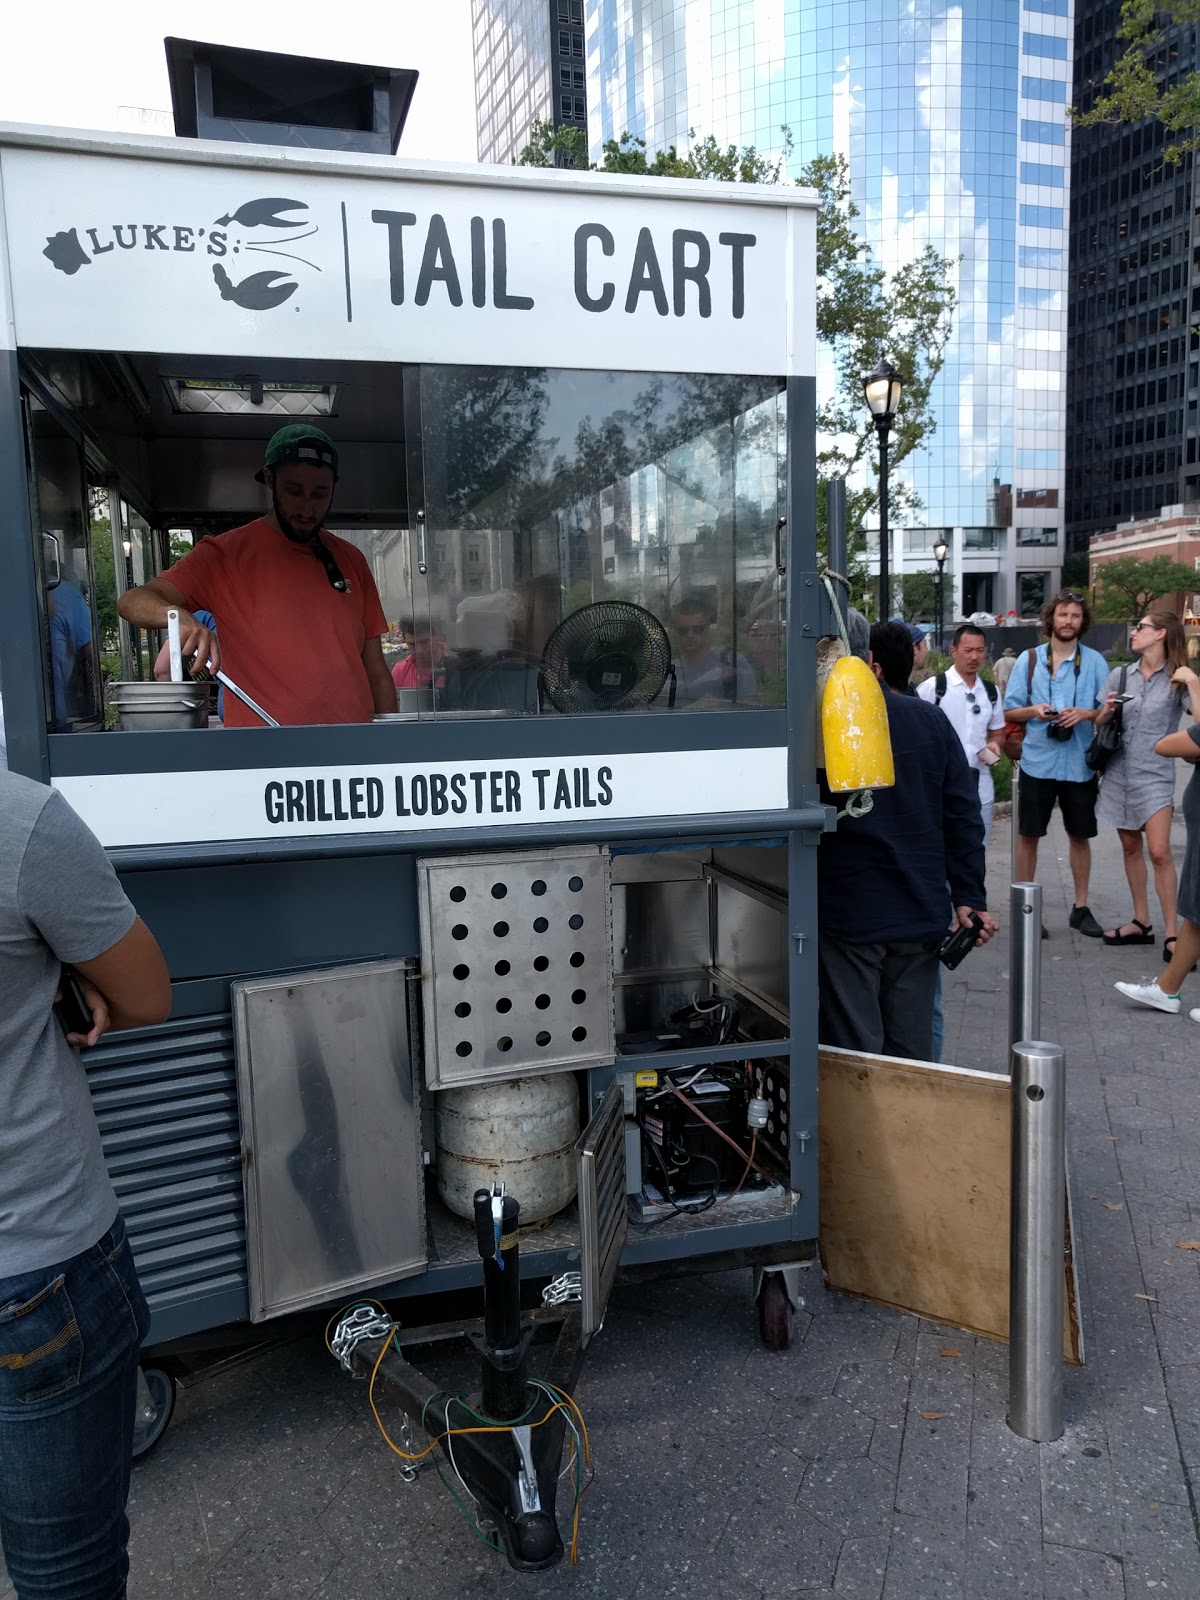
{"points": [[261, 227]]}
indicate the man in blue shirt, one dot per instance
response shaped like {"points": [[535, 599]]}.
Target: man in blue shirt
{"points": [[1055, 691]]}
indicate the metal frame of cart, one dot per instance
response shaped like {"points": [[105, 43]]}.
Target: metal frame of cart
{"points": [[108, 247]]}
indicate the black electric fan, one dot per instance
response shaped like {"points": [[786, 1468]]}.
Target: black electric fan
{"points": [[610, 656]]}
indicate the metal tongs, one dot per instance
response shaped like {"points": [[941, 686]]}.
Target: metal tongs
{"points": [[205, 674]]}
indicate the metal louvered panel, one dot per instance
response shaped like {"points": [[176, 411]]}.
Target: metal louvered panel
{"points": [[600, 1154], [167, 1104]]}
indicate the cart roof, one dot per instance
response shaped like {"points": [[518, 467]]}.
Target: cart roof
{"points": [[136, 243]]}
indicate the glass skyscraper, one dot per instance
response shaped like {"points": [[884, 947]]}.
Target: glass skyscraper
{"points": [[953, 121], [528, 65], [1133, 349]]}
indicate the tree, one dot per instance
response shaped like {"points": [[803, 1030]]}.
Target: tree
{"points": [[1128, 585], [862, 310], [1138, 84], [919, 597]]}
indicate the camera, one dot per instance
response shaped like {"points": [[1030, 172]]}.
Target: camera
{"points": [[1055, 730], [956, 946]]}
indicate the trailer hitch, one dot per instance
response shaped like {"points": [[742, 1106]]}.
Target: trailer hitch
{"points": [[506, 1446]]}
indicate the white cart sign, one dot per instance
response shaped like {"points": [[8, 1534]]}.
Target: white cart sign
{"points": [[373, 260], [156, 808]]}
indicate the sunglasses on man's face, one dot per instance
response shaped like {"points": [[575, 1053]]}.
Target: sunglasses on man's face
{"points": [[693, 628]]}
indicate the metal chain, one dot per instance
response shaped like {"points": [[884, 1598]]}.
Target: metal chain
{"points": [[567, 1286], [408, 1469], [368, 1322], [363, 1322]]}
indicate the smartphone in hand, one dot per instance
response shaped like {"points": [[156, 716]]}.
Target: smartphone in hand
{"points": [[72, 1009]]}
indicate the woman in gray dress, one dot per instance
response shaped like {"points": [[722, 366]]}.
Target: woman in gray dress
{"points": [[1162, 994], [1138, 788]]}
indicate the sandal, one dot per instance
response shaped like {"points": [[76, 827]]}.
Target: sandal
{"points": [[1146, 936]]}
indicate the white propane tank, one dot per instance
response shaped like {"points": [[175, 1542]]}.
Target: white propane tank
{"points": [[520, 1132]]}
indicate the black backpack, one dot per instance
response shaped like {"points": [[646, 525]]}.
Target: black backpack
{"points": [[939, 689]]}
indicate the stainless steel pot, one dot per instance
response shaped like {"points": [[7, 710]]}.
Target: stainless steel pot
{"points": [[414, 700], [152, 707]]}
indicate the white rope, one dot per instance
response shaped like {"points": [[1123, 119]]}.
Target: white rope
{"points": [[860, 803]]}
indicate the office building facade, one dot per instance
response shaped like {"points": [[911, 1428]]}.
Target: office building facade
{"points": [[529, 65], [1133, 355], [953, 122]]}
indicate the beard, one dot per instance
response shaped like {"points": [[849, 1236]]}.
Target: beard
{"points": [[289, 528], [1067, 632]]}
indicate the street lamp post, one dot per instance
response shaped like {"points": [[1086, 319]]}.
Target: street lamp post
{"points": [[882, 389], [940, 551]]}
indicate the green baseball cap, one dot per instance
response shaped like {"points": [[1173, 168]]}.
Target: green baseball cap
{"points": [[299, 441]]}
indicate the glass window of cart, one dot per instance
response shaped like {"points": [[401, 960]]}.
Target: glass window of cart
{"points": [[546, 492], [61, 520]]}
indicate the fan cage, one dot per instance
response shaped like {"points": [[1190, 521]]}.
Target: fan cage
{"points": [[611, 655]]}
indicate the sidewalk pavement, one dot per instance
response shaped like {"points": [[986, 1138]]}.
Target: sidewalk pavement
{"points": [[871, 1461]]}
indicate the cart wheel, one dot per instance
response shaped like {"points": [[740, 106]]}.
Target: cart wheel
{"points": [[152, 1409], [774, 1313]]}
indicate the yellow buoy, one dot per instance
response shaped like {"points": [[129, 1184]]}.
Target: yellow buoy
{"points": [[854, 726]]}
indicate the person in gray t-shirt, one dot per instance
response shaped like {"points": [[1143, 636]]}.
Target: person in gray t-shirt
{"points": [[72, 1315]]}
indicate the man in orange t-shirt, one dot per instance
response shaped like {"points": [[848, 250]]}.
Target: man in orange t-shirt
{"points": [[297, 611]]}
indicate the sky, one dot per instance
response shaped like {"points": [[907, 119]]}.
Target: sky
{"points": [[77, 63]]}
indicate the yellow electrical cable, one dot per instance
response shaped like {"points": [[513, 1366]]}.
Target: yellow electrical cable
{"points": [[565, 1402], [587, 1458], [405, 1455]]}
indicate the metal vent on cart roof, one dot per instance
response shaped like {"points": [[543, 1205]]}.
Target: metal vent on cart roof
{"points": [[516, 963]]}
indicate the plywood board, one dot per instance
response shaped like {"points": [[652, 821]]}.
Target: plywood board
{"points": [[914, 1175]]}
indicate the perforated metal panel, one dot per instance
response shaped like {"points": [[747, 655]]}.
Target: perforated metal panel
{"points": [[516, 963]]}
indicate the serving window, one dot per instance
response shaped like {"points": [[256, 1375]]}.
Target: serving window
{"points": [[511, 518]]}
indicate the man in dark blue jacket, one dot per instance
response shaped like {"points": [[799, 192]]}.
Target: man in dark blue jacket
{"points": [[882, 887]]}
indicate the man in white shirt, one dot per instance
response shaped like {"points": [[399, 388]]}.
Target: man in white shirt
{"points": [[974, 708]]}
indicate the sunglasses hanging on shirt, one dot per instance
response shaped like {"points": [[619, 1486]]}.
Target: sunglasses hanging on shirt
{"points": [[332, 571], [970, 694]]}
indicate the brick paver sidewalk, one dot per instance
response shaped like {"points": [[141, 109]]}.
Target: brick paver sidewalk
{"points": [[728, 1472]]}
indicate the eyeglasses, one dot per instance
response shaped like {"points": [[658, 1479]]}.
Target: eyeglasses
{"points": [[1138, 626], [970, 693], [332, 571], [692, 628]]}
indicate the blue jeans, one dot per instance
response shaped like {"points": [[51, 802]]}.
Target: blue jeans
{"points": [[69, 1340]]}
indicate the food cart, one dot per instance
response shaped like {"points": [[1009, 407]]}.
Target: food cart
{"points": [[571, 411]]}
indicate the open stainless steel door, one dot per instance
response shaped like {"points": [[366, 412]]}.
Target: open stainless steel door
{"points": [[331, 1134]]}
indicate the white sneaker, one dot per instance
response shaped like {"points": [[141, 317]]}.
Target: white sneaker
{"points": [[1149, 994], [1194, 1013]]}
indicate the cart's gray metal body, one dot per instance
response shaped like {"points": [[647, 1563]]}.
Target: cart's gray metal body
{"points": [[259, 853]]}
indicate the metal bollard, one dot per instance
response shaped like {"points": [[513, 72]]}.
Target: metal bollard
{"points": [[1014, 835], [1024, 962], [1035, 1307]]}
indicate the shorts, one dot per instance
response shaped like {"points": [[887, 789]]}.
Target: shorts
{"points": [[1076, 801]]}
